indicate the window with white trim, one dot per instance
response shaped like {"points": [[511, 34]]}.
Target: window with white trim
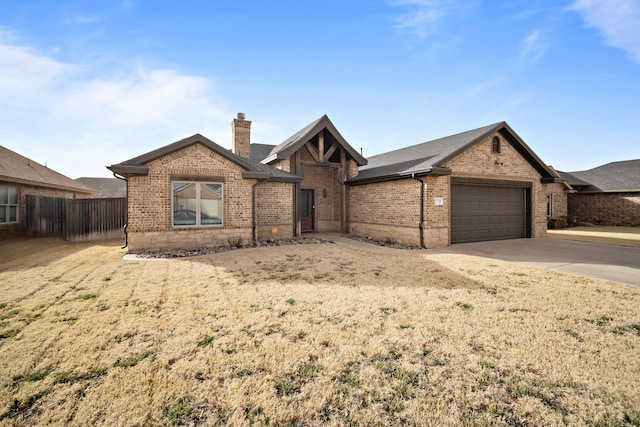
{"points": [[8, 204], [549, 205], [196, 204]]}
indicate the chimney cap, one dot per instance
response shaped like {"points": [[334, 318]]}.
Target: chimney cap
{"points": [[240, 116]]}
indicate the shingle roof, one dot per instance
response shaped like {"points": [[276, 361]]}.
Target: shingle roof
{"points": [[21, 170], [105, 187], [298, 139], [612, 177], [573, 180], [259, 152], [430, 157], [253, 170]]}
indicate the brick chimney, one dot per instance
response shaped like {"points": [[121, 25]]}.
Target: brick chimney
{"points": [[241, 136]]}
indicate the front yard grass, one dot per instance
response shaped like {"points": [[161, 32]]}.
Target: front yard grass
{"points": [[311, 335]]}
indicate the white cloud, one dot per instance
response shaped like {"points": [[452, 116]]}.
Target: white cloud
{"points": [[532, 47], [56, 113], [617, 20], [424, 15]]}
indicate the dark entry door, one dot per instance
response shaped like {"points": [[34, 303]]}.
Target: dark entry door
{"points": [[306, 207]]}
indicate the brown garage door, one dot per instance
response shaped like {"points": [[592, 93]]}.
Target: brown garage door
{"points": [[481, 213]]}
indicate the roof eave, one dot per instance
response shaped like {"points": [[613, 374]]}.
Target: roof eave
{"points": [[46, 185], [252, 174], [435, 170], [128, 170]]}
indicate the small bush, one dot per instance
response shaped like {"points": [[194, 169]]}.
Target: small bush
{"points": [[236, 242], [556, 223]]}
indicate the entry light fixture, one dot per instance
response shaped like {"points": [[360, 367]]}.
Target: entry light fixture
{"points": [[324, 193]]}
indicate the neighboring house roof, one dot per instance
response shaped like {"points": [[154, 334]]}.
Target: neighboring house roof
{"points": [[105, 187], [21, 170], [623, 176], [430, 157], [253, 170], [573, 180], [300, 138]]}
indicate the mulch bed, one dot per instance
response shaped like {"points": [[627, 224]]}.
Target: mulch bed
{"points": [[183, 253]]}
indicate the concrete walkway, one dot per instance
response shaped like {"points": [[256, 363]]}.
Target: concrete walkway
{"points": [[596, 260]]}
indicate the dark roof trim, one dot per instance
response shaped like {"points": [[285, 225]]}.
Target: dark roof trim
{"points": [[436, 170], [14, 180], [124, 169], [255, 175], [140, 161], [296, 141], [525, 151], [518, 143]]}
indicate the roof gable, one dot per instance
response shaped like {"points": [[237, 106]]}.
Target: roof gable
{"points": [[611, 177], [431, 157], [252, 170], [22, 170], [300, 138]]}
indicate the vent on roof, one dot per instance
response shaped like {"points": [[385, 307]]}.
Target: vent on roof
{"points": [[240, 116]]}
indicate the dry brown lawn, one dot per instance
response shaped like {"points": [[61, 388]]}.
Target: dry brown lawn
{"points": [[625, 236], [311, 335]]}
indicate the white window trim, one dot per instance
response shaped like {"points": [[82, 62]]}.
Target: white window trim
{"points": [[7, 205], [550, 205], [197, 224]]}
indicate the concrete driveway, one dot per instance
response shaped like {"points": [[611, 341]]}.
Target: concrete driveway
{"points": [[597, 260]]}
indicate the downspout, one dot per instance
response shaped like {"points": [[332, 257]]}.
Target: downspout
{"points": [[421, 223], [126, 211], [254, 222]]}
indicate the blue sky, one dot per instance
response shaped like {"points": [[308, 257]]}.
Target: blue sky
{"points": [[84, 84]]}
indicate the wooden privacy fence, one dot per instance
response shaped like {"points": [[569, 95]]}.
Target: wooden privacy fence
{"points": [[77, 220]]}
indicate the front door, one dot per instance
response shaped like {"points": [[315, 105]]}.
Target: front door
{"points": [[307, 209]]}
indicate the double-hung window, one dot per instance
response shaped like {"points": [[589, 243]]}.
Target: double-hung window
{"points": [[196, 204], [8, 204]]}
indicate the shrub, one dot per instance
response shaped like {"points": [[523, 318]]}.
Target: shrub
{"points": [[556, 223]]}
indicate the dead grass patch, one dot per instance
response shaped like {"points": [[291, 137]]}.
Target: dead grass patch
{"points": [[312, 335]]}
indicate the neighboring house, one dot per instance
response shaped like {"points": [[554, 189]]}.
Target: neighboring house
{"points": [[483, 184], [105, 188], [606, 195], [19, 177]]}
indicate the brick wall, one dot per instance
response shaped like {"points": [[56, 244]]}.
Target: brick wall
{"points": [[437, 217], [559, 198], [8, 231], [480, 162], [622, 209], [150, 201], [274, 208], [387, 210], [391, 209]]}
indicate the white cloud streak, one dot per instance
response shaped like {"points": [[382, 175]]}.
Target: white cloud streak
{"points": [[54, 112], [424, 15], [532, 47], [617, 20]]}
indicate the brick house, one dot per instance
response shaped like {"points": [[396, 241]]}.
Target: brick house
{"points": [[606, 195], [482, 184], [20, 177]]}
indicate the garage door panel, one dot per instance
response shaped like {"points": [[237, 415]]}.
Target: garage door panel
{"points": [[487, 213]]}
